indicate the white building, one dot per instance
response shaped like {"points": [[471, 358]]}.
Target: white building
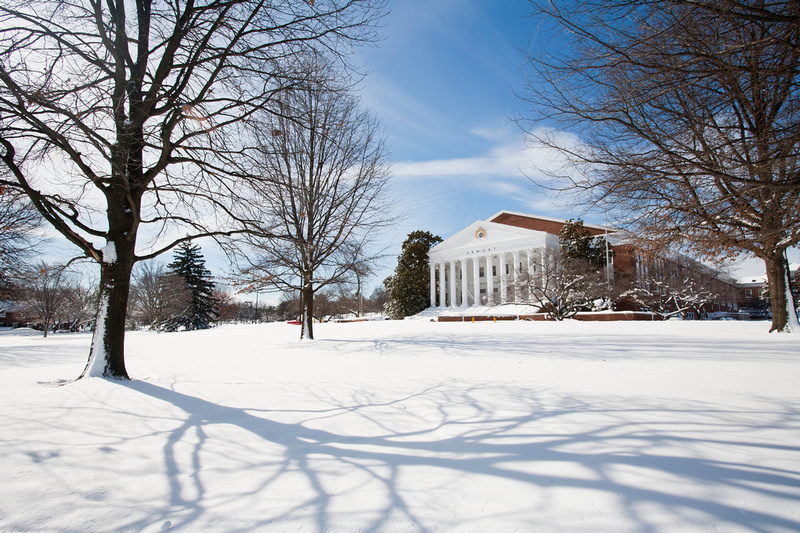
{"points": [[477, 265]]}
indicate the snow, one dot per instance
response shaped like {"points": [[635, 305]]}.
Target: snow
{"points": [[109, 252], [408, 426], [792, 325], [99, 359]]}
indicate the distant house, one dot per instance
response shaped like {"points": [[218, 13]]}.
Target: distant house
{"points": [[752, 293], [749, 293], [12, 315]]}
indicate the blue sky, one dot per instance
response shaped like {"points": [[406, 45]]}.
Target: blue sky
{"points": [[443, 82]]}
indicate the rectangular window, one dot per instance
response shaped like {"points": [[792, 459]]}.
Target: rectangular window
{"points": [[748, 294], [481, 272], [507, 271], [494, 270]]}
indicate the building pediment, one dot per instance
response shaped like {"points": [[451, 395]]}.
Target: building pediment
{"points": [[483, 237]]}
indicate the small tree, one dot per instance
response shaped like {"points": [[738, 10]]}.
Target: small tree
{"points": [[290, 306], [376, 303], [189, 265], [80, 304], [409, 287], [44, 293], [228, 308], [674, 287], [671, 296], [158, 297], [561, 285]]}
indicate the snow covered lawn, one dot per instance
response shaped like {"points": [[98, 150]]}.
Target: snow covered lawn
{"points": [[408, 426]]}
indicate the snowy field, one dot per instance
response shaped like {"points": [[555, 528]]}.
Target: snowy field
{"points": [[408, 426]]}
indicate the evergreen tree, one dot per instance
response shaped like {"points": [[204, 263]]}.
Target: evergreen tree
{"points": [[578, 243], [188, 263], [409, 287]]}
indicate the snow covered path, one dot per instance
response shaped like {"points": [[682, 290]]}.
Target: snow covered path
{"points": [[408, 426]]}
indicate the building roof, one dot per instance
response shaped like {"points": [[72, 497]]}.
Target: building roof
{"points": [[541, 223]]}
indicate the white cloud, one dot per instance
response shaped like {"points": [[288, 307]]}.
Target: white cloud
{"points": [[510, 160], [487, 133], [395, 106], [506, 188]]}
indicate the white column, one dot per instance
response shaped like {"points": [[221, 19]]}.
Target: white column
{"points": [[464, 283], [531, 273], [433, 284], [544, 267], [453, 299], [476, 280], [517, 293], [489, 281], [503, 278], [442, 284]]}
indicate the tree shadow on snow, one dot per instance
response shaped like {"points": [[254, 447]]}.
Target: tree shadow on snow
{"points": [[616, 447], [536, 343]]}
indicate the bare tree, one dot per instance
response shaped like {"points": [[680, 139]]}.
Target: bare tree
{"points": [[290, 306], [676, 286], [44, 293], [561, 285], [320, 197], [229, 310], [124, 118], [80, 305], [377, 301], [685, 115], [18, 221], [348, 296], [158, 296]]}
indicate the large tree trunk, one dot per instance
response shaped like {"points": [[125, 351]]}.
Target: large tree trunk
{"points": [[307, 324], [784, 315], [107, 353]]}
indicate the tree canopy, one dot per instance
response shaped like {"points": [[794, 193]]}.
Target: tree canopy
{"points": [[202, 308], [685, 117], [578, 243], [409, 287]]}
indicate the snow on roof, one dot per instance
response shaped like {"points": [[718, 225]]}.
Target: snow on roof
{"points": [[746, 280]]}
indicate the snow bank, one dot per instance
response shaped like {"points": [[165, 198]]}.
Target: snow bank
{"points": [[408, 426]]}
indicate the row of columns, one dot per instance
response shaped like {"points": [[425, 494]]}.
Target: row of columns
{"points": [[452, 271]]}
